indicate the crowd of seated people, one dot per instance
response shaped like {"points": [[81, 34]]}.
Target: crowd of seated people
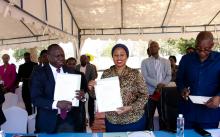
{"points": [[197, 74]]}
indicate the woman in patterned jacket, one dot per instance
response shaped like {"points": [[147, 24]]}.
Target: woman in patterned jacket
{"points": [[130, 117]]}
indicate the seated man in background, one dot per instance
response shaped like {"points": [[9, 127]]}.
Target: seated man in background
{"points": [[199, 75]]}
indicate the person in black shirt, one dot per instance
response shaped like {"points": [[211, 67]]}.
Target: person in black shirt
{"points": [[24, 74]]}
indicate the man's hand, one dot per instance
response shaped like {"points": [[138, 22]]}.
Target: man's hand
{"points": [[123, 110], [91, 84], [185, 93], [80, 95], [64, 105], [160, 86], [213, 102]]}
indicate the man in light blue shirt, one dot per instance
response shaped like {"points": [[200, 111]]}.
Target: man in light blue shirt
{"points": [[157, 74]]}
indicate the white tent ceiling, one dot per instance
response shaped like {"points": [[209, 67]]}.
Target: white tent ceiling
{"points": [[31, 21], [145, 19], [91, 14]]}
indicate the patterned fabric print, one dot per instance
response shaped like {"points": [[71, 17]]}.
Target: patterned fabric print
{"points": [[134, 93]]}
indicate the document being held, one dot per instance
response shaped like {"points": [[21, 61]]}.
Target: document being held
{"points": [[108, 95], [199, 99], [66, 86]]}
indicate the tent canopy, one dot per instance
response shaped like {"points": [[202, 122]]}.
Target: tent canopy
{"points": [[31, 21], [102, 14]]}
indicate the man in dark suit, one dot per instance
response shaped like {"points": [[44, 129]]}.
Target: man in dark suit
{"points": [[24, 74], [43, 58], [91, 74], [49, 112]]}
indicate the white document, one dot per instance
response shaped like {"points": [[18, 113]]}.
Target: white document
{"points": [[141, 134], [199, 99], [115, 134], [214, 132], [108, 95], [66, 86]]}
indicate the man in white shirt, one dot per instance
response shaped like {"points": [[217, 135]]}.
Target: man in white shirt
{"points": [[55, 116], [157, 74]]}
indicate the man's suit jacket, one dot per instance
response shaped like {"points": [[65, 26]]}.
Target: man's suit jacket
{"points": [[149, 72], [42, 93], [91, 72]]}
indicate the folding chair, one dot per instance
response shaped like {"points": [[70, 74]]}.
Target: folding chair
{"points": [[169, 105]]}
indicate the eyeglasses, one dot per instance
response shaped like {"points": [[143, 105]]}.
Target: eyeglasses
{"points": [[199, 49]]}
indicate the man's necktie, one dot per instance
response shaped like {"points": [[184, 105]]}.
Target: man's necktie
{"points": [[63, 113], [58, 70]]}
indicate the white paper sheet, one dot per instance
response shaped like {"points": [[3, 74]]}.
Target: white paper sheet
{"points": [[108, 95], [199, 99], [141, 134], [115, 134], [66, 86], [214, 132]]}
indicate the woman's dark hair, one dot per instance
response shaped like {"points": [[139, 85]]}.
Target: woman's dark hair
{"points": [[173, 57], [120, 46]]}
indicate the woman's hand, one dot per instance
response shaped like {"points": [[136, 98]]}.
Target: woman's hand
{"points": [[124, 109]]}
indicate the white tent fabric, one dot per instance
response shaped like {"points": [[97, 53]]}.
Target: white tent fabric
{"points": [[91, 14], [78, 20], [143, 13], [27, 27]]}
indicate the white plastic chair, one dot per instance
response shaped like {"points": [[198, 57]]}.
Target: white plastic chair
{"points": [[16, 120], [18, 92], [11, 99], [31, 123]]}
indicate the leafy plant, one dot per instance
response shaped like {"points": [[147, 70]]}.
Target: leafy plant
{"points": [[19, 54]]}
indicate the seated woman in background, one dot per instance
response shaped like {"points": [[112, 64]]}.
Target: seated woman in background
{"points": [[130, 117], [174, 67], [8, 74]]}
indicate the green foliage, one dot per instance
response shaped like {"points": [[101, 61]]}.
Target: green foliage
{"points": [[217, 45], [168, 47], [19, 54], [139, 49], [182, 44], [108, 49]]}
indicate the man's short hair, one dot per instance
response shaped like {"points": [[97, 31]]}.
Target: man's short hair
{"points": [[204, 35], [52, 47], [27, 54], [43, 52], [71, 58]]}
